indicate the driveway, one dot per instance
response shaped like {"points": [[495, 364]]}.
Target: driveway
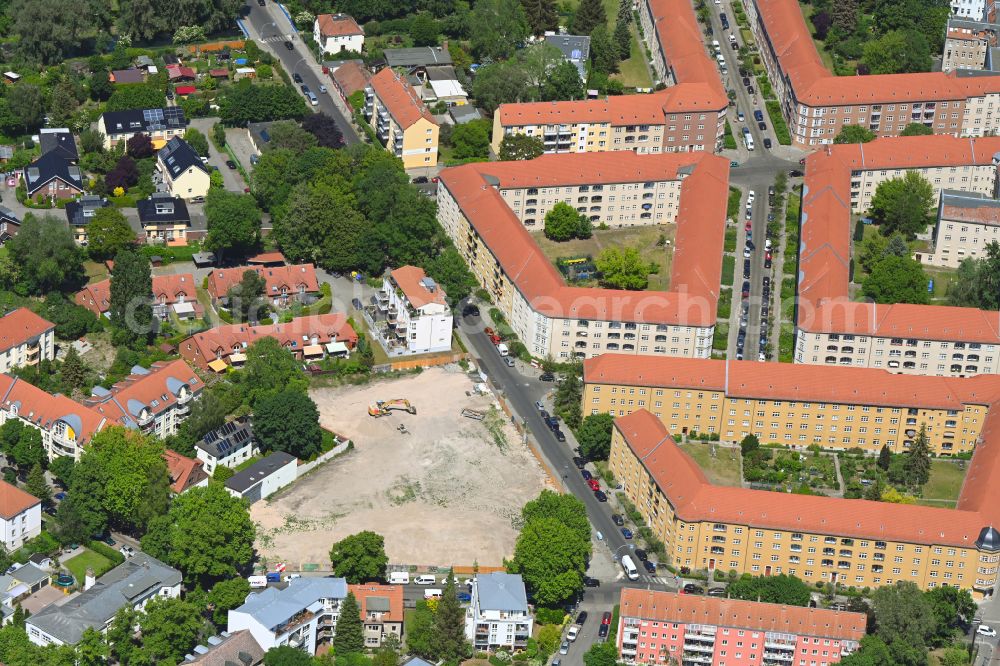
{"points": [[231, 178], [238, 140]]}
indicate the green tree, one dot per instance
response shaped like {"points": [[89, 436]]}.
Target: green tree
{"points": [[854, 134], [567, 509], [897, 52], [497, 28], [349, 635], [904, 619], [121, 634], [92, 649], [207, 534], [131, 292], [419, 629], [884, 457], [916, 129], [227, 594], [569, 395], [233, 222], [541, 15], [387, 654], [360, 558], [270, 368], [563, 83], [170, 629], [10, 435], [954, 610], [108, 233], [135, 96], [288, 134], [46, 256], [563, 222], [63, 101], [322, 225], [197, 140], [780, 589], [872, 652], [604, 51], [62, 469], [594, 436], [622, 268], [73, 372], [902, 204], [749, 444], [472, 140], [918, 459], [452, 273], [601, 654], [623, 38], [521, 147], [424, 30], [551, 558], [287, 656], [589, 15], [37, 485], [896, 280], [449, 625], [29, 450], [288, 421], [219, 135], [246, 299], [247, 103], [27, 104], [501, 83]]}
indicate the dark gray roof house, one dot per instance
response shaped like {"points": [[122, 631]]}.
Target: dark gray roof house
{"points": [[227, 440], [575, 49], [58, 139], [421, 56], [162, 208], [129, 584], [133, 121], [80, 213], [264, 477], [239, 648], [51, 168], [178, 156], [9, 224]]}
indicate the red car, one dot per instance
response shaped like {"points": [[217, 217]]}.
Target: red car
{"points": [[594, 484], [767, 256], [606, 618], [749, 225]]}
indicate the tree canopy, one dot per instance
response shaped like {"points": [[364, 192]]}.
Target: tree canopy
{"points": [[288, 421], [360, 558], [233, 222], [521, 147], [108, 233], [497, 28], [782, 589], [131, 292], [45, 257], [563, 222], [903, 204], [594, 436], [896, 280], [247, 103], [854, 134], [622, 268]]}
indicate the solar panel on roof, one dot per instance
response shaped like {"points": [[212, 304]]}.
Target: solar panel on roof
{"points": [[150, 115], [210, 437], [241, 436]]}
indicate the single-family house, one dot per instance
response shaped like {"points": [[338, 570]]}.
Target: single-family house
{"points": [[185, 473], [338, 32], [227, 446], [81, 212], [348, 77], [10, 224], [381, 609], [259, 135], [159, 124], [164, 218], [263, 478], [130, 75], [52, 176], [185, 175], [133, 583], [220, 73], [575, 49], [58, 139]]}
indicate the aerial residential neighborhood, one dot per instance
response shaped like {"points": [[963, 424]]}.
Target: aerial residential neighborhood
{"points": [[587, 333]]}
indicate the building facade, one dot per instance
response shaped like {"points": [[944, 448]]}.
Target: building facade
{"points": [[20, 516], [283, 285], [818, 539], [65, 424], [794, 406], [553, 318], [967, 43], [183, 171], [381, 612], [831, 328], [415, 312], [402, 123], [264, 478], [338, 32], [692, 630], [25, 339], [159, 124], [227, 446], [966, 223], [498, 616]]}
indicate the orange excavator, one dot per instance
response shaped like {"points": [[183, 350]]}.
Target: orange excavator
{"points": [[381, 408]]}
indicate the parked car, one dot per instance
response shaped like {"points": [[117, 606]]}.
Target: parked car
{"points": [[593, 484], [627, 533], [60, 496], [691, 588], [591, 582], [127, 551], [758, 115], [109, 541], [762, 126], [231, 164], [579, 462], [587, 476], [601, 497], [617, 519], [553, 423], [547, 377], [322, 89], [649, 566], [564, 648], [602, 632], [716, 591], [581, 618], [795, 173], [297, 77], [986, 630], [289, 46], [560, 435], [260, 2], [767, 143], [464, 596], [418, 179], [572, 633], [641, 554]]}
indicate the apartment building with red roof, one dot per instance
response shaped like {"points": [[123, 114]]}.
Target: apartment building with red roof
{"points": [[25, 339], [479, 206], [65, 424], [967, 43], [283, 284], [689, 115], [402, 123], [381, 609], [310, 337], [831, 328], [168, 291], [154, 401], [20, 516], [655, 626], [802, 405], [848, 542], [818, 104], [411, 314]]}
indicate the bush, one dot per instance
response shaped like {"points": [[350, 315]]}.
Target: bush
{"points": [[778, 122], [550, 615], [107, 551], [728, 269]]}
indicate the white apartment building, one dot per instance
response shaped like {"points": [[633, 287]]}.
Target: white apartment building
{"points": [[966, 223], [25, 339], [498, 616], [20, 516], [228, 446], [969, 9], [338, 32], [412, 313], [301, 616]]}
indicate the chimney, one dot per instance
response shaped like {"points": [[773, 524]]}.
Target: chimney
{"points": [[89, 579]]}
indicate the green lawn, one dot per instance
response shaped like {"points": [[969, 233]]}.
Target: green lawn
{"points": [[945, 482], [721, 469], [79, 564], [633, 72]]}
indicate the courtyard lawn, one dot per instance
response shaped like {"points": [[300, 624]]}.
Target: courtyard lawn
{"points": [[721, 469], [643, 238], [943, 277], [96, 271], [88, 559], [633, 72], [945, 482]]}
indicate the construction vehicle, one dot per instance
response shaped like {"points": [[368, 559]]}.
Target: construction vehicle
{"points": [[385, 407]]}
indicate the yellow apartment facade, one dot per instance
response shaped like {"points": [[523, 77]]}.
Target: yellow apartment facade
{"points": [[402, 123]]}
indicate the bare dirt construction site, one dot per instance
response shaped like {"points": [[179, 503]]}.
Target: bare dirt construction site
{"points": [[449, 492]]}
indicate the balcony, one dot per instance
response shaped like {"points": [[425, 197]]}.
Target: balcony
{"points": [[696, 647], [697, 658], [691, 636], [182, 410], [185, 397], [779, 656]]}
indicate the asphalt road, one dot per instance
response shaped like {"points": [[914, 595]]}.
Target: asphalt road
{"points": [[272, 30]]}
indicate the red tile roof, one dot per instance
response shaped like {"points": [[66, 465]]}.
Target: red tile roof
{"points": [[221, 341], [695, 499], [393, 593], [399, 98], [824, 303], [167, 289], [410, 280], [697, 261], [155, 390], [180, 72], [42, 409], [184, 472], [267, 258], [14, 501], [351, 77], [989, 215], [735, 613], [279, 279], [185, 90], [21, 326], [338, 25]]}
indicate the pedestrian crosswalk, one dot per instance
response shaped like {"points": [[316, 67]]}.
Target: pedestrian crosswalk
{"points": [[270, 39]]}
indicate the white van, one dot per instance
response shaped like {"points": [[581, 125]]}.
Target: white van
{"points": [[629, 566], [399, 578], [433, 593], [502, 348], [257, 582], [425, 579]]}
